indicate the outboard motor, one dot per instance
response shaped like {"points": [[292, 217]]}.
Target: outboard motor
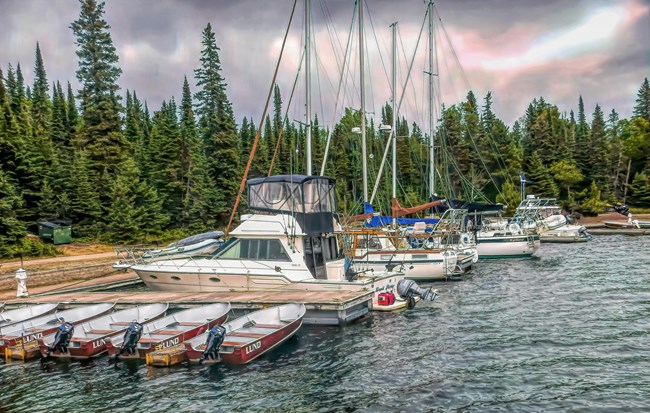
{"points": [[583, 232], [213, 342], [408, 290], [131, 337], [61, 339]]}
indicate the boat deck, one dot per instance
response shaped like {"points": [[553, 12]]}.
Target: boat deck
{"points": [[323, 307]]}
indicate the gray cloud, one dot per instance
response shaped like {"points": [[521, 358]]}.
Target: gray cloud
{"points": [[159, 42]]}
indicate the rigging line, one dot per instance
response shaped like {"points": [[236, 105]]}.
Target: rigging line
{"points": [[286, 115], [342, 77], [259, 128], [390, 135], [381, 57], [332, 33], [410, 79]]}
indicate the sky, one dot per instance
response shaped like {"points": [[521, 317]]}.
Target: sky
{"points": [[517, 49]]}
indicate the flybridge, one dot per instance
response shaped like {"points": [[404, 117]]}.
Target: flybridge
{"points": [[311, 199]]}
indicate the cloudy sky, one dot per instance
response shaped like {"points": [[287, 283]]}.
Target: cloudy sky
{"points": [[518, 49]]}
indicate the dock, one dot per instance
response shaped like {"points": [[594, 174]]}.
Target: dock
{"points": [[620, 231], [335, 308]]}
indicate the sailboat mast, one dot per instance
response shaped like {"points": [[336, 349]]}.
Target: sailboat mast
{"points": [[394, 125], [308, 83], [362, 86], [432, 140]]}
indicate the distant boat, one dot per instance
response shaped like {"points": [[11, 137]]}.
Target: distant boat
{"points": [[168, 331], [250, 336], [200, 244], [627, 224], [25, 313], [26, 333], [89, 339]]}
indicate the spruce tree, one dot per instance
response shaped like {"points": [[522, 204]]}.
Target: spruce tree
{"points": [[598, 158], [642, 107], [11, 229], [41, 105], [582, 140], [217, 127], [98, 73]]}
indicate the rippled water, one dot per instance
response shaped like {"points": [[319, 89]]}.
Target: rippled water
{"points": [[568, 330]]}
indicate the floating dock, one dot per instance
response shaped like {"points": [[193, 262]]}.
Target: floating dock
{"points": [[336, 308], [621, 231]]}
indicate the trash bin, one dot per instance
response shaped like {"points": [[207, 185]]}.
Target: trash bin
{"points": [[55, 232]]}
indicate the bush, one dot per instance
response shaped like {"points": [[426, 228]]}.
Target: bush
{"points": [[30, 247]]}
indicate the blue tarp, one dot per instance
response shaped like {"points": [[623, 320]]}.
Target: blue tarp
{"points": [[383, 220]]}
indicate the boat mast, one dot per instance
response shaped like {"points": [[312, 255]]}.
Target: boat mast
{"points": [[308, 82], [364, 160], [432, 148], [394, 125]]}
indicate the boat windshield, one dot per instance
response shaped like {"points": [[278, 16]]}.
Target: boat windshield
{"points": [[253, 249], [292, 194]]}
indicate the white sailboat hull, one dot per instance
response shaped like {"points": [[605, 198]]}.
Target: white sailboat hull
{"points": [[415, 266], [507, 246]]}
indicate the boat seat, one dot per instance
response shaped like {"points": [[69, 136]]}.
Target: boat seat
{"points": [[232, 344], [121, 323], [273, 326], [82, 339], [149, 340], [167, 332], [189, 323], [244, 334], [97, 331]]}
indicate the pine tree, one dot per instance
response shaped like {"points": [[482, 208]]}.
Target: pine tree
{"points": [[642, 108], [84, 199], [542, 184], [217, 127], [11, 229], [41, 105], [582, 140], [73, 121], [640, 190], [135, 212], [197, 194], [98, 73], [599, 167]]}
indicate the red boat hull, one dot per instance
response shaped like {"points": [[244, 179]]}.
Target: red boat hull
{"points": [[249, 351], [87, 349], [141, 352]]}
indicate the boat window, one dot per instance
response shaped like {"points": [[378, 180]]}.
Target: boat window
{"points": [[255, 249], [372, 243]]}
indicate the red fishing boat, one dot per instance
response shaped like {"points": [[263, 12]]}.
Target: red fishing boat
{"points": [[89, 339], [17, 315], [246, 338], [139, 340], [21, 335]]}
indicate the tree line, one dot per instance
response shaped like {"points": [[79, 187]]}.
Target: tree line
{"points": [[122, 173]]}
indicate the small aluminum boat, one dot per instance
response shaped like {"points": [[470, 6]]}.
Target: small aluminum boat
{"points": [[247, 337], [20, 338], [17, 315]]}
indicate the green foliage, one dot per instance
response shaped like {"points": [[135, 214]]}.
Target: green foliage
{"points": [[640, 190], [566, 173], [509, 196], [642, 107], [592, 204]]}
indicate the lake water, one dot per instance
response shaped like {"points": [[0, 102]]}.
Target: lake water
{"points": [[568, 330]]}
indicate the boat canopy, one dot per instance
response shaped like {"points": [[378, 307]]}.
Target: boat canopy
{"points": [[311, 199], [468, 205], [198, 238]]}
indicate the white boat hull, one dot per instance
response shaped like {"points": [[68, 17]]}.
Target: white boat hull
{"points": [[415, 266], [508, 246]]}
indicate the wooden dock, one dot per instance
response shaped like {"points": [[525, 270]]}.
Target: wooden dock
{"points": [[336, 308]]}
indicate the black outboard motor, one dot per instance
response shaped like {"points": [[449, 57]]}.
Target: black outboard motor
{"points": [[131, 337], [583, 232], [213, 342], [61, 339], [408, 290]]}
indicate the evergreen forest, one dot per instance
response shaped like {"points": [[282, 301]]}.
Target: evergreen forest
{"points": [[122, 172]]}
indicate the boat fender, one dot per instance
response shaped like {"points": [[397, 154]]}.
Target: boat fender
{"points": [[213, 342], [408, 290], [131, 337], [514, 228], [61, 339]]}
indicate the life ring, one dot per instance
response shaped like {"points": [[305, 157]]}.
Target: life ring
{"points": [[464, 240], [514, 228]]}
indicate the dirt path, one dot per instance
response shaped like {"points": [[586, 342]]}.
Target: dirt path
{"points": [[42, 262]]}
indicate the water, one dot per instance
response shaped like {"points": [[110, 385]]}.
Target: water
{"points": [[567, 331]]}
